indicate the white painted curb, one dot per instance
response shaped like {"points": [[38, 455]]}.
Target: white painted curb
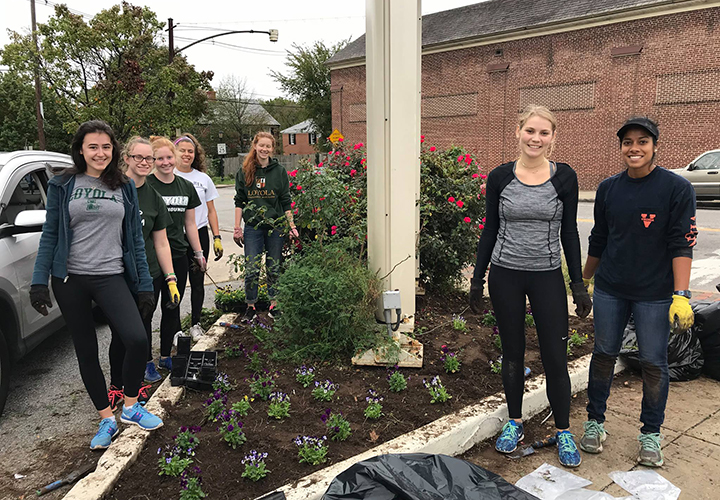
{"points": [[127, 447]]}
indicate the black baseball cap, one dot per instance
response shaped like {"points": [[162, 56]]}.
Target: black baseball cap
{"points": [[639, 121]]}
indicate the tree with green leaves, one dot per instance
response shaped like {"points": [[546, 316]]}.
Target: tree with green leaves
{"points": [[285, 111], [114, 68], [309, 81]]}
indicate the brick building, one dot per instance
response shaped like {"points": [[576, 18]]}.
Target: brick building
{"points": [[594, 63], [300, 139]]}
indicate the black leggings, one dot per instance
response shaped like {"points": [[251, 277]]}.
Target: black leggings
{"points": [[117, 348], [197, 278], [548, 300], [112, 295], [170, 321]]}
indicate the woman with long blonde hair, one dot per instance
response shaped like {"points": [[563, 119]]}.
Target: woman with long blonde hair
{"points": [[262, 201]]}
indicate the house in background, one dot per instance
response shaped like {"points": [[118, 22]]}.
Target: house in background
{"points": [[300, 139]]}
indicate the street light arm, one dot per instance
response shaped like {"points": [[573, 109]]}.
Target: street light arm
{"points": [[271, 33]]}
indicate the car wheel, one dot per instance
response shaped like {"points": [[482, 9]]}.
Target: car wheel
{"points": [[4, 371]]}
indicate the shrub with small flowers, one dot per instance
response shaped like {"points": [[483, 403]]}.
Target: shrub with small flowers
{"points": [[262, 384], [529, 318], [173, 461], [450, 360], [497, 341], [279, 407], [234, 350], [222, 383], [496, 366], [312, 450], [459, 323], [324, 391], [577, 339], [438, 393], [374, 405], [488, 318], [337, 427], [186, 440], [396, 380], [255, 359], [305, 375], [215, 405], [255, 468], [191, 486], [230, 428], [242, 407]]}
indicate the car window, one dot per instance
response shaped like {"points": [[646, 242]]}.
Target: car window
{"points": [[710, 161], [28, 194]]}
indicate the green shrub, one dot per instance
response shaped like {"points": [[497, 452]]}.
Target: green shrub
{"points": [[328, 299], [208, 317]]}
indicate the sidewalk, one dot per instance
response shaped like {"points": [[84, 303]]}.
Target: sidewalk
{"points": [[691, 445], [587, 196]]}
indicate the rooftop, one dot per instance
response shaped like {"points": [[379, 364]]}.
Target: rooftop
{"points": [[301, 128]]}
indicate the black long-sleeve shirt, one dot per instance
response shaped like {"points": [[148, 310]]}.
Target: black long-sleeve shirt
{"points": [[640, 226]]}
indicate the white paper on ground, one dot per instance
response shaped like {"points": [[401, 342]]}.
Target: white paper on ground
{"points": [[583, 494], [548, 482], [646, 485]]}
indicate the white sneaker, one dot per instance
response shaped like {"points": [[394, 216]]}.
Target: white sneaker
{"points": [[196, 332]]}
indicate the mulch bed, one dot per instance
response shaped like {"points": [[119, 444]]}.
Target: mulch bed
{"points": [[403, 412]]}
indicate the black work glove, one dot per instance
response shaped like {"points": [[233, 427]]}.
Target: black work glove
{"points": [[476, 295], [581, 298], [146, 303], [40, 298]]}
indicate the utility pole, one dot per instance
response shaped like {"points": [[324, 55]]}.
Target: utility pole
{"points": [[38, 95], [171, 41]]}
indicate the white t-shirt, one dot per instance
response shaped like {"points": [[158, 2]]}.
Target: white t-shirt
{"points": [[206, 191]]}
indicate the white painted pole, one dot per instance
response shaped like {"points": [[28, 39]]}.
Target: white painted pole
{"points": [[393, 66]]}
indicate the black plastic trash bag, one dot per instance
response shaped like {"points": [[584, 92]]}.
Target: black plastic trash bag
{"points": [[685, 355], [420, 476], [707, 330]]}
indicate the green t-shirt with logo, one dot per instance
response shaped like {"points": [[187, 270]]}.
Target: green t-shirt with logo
{"points": [[155, 217], [179, 196]]}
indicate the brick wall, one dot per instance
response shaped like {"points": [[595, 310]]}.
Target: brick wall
{"points": [[302, 145], [470, 100]]}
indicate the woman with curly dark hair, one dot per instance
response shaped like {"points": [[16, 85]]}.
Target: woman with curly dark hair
{"points": [[191, 166], [93, 250]]}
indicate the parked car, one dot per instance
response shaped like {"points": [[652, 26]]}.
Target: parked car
{"points": [[24, 178], [704, 174]]}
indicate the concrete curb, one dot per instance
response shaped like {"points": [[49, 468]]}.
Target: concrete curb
{"points": [[450, 435], [127, 447]]}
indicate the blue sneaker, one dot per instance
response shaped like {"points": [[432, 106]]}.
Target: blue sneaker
{"points": [[151, 373], [567, 450], [139, 416], [166, 363], [512, 433], [106, 432]]}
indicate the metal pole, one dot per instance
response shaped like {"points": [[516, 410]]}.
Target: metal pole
{"points": [[171, 41], [38, 94]]}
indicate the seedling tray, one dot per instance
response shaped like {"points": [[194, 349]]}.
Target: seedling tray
{"points": [[200, 370]]}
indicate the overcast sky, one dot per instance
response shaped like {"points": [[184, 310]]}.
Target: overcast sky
{"points": [[249, 56]]}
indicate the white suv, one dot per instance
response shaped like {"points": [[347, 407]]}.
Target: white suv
{"points": [[24, 177]]}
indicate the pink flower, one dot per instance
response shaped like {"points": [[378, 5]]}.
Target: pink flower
{"points": [[480, 226], [321, 199], [483, 176], [293, 173], [353, 172], [363, 160], [333, 230], [320, 164], [459, 203], [467, 219], [315, 210], [432, 148], [337, 153], [347, 163], [460, 158], [475, 176], [295, 211], [358, 145], [292, 205], [483, 219], [291, 184], [468, 159], [341, 139], [299, 188], [359, 191], [422, 139], [451, 199]]}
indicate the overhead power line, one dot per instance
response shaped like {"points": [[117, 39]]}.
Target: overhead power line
{"points": [[49, 3], [240, 48]]}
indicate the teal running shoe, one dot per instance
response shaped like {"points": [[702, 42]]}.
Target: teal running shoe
{"points": [[107, 430], [139, 416], [650, 453], [567, 449], [511, 434], [593, 437]]}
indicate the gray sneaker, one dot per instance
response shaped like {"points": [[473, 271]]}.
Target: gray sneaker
{"points": [[650, 452], [593, 438], [196, 332]]}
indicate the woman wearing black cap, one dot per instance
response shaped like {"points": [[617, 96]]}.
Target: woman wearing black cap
{"points": [[640, 253]]}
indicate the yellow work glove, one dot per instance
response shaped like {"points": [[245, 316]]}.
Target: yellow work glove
{"points": [[680, 309], [587, 282], [217, 247], [174, 295]]}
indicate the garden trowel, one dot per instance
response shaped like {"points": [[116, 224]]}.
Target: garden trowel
{"points": [[530, 449]]}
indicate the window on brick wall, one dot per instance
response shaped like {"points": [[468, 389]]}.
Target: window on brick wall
{"points": [[312, 138], [291, 139], [560, 97], [697, 86]]}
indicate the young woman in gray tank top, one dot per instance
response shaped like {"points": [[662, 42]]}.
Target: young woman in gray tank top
{"points": [[531, 209]]}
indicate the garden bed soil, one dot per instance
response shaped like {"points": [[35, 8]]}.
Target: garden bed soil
{"points": [[403, 412]]}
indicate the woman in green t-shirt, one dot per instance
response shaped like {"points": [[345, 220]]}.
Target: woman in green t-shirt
{"points": [[181, 199]]}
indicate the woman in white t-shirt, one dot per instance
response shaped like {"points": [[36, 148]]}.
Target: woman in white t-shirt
{"points": [[193, 168]]}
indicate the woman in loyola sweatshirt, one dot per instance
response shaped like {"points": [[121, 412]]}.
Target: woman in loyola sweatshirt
{"points": [[262, 199]]}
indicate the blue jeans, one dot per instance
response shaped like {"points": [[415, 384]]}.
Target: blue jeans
{"points": [[257, 242], [652, 327]]}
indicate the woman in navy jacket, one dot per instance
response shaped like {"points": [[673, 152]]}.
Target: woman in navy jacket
{"points": [[93, 250]]}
